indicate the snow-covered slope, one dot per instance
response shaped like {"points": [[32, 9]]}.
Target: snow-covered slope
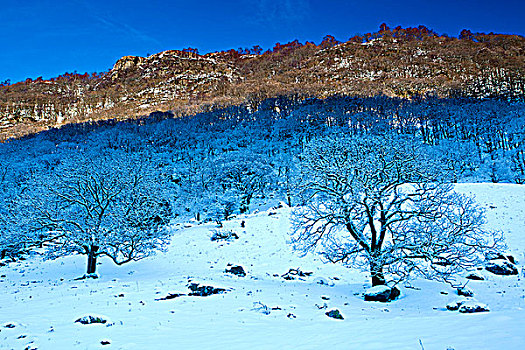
{"points": [[40, 301]]}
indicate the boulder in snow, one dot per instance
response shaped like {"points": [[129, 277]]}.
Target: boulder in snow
{"points": [[473, 306], [501, 267], [236, 270], [382, 293], [467, 306], [203, 291], [87, 276], [475, 276], [334, 314], [454, 305], [90, 319], [465, 291]]}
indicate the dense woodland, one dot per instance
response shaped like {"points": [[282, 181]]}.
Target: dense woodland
{"points": [[214, 165]]}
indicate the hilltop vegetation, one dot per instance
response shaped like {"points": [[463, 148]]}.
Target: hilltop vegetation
{"points": [[398, 62]]}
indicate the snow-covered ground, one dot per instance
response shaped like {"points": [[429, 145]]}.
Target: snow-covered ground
{"points": [[40, 301]]}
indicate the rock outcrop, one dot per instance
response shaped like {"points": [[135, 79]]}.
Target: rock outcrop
{"points": [[185, 82]]}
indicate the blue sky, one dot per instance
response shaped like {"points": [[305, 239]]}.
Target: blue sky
{"points": [[47, 38]]}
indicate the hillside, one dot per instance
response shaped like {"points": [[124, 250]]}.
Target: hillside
{"points": [[40, 301], [394, 62]]}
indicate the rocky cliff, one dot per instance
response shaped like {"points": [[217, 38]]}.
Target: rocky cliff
{"points": [[186, 82]]}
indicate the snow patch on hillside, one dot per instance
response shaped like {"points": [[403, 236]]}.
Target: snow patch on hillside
{"points": [[39, 301]]}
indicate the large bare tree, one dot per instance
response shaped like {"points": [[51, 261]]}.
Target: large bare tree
{"points": [[382, 204], [111, 206]]}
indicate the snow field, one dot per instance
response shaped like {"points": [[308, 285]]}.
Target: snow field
{"points": [[42, 300]]}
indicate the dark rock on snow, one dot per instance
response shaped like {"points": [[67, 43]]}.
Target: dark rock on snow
{"points": [[466, 292], [472, 307], [454, 306], [467, 306], [382, 293], [91, 320], [87, 276], [236, 270], [334, 314], [501, 267], [475, 276], [196, 291], [171, 296], [203, 291]]}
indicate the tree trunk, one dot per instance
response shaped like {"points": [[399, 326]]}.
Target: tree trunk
{"points": [[376, 270], [3, 254], [245, 204], [92, 259]]}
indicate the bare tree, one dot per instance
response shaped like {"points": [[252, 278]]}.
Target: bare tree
{"points": [[111, 206], [381, 204], [16, 233], [12, 241], [243, 175]]}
